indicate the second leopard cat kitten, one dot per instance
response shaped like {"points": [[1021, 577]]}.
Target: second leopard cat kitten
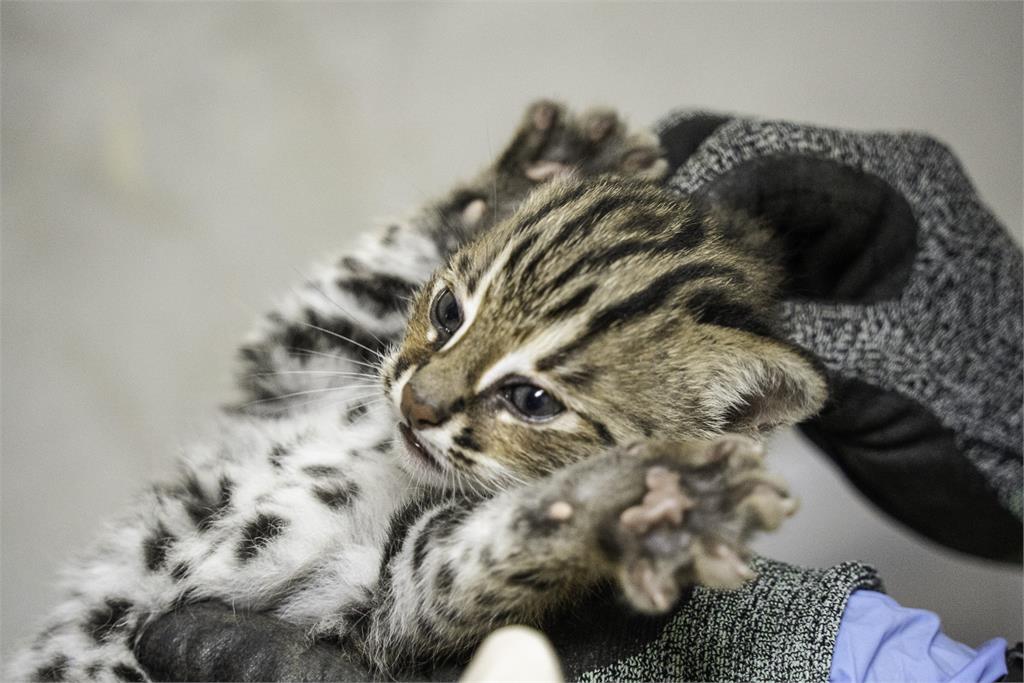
{"points": [[547, 414]]}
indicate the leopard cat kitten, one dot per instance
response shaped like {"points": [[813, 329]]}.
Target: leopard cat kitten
{"points": [[556, 376]]}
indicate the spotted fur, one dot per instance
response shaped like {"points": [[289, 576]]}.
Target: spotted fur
{"points": [[644, 314]]}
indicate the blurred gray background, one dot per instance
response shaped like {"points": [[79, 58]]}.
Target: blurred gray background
{"points": [[169, 167]]}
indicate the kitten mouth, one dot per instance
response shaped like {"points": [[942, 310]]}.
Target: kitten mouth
{"points": [[414, 446]]}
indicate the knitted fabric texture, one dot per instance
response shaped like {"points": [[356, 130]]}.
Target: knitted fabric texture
{"points": [[780, 627], [952, 338]]}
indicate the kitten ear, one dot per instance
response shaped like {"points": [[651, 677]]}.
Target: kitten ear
{"points": [[756, 383]]}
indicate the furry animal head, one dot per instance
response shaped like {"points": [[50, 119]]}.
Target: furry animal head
{"points": [[604, 311]]}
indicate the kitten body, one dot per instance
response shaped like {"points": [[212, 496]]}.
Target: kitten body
{"points": [[471, 419]]}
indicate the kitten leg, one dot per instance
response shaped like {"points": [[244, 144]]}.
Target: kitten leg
{"points": [[652, 517]]}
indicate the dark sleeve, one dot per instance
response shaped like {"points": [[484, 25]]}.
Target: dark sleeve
{"points": [[212, 642]]}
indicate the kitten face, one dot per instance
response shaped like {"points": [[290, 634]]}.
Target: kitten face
{"points": [[601, 312]]}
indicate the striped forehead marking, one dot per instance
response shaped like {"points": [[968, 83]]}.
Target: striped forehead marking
{"points": [[523, 360], [471, 301]]}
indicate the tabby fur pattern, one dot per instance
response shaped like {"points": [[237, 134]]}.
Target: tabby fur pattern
{"points": [[378, 484]]}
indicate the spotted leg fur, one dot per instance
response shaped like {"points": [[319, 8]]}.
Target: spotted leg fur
{"points": [[653, 517]]}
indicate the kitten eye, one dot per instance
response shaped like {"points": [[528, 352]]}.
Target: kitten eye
{"points": [[446, 314], [531, 401]]}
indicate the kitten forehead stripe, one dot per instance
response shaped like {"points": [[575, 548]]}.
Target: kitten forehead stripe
{"points": [[553, 204], [638, 305], [598, 210], [686, 238], [572, 304]]}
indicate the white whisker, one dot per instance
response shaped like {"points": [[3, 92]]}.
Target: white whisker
{"points": [[311, 391], [364, 375], [343, 338], [316, 285], [333, 356]]}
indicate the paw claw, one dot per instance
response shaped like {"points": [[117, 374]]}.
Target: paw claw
{"points": [[736, 445], [663, 503], [560, 511], [767, 508], [718, 566], [648, 589], [473, 212], [545, 170]]}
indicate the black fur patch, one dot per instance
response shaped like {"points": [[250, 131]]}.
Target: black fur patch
{"points": [[651, 298], [257, 534], [401, 365], [401, 522], [356, 616], [93, 670], [103, 622], [437, 529], [277, 454], [156, 547], [318, 333], [54, 670], [380, 293], [426, 631], [572, 304], [465, 439], [322, 471], [579, 378], [646, 426], [531, 579], [487, 599], [123, 672], [202, 510], [390, 235], [356, 412], [445, 579], [460, 458], [714, 307], [352, 264], [419, 549], [608, 542], [338, 496], [180, 571], [602, 431], [518, 251]]}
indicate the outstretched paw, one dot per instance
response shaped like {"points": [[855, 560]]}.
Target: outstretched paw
{"points": [[551, 142], [701, 504]]}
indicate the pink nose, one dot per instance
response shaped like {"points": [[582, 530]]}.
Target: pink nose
{"points": [[418, 413]]}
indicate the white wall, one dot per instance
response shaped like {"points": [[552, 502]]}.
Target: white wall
{"points": [[167, 168]]}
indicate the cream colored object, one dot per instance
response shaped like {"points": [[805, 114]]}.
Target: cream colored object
{"points": [[514, 653]]}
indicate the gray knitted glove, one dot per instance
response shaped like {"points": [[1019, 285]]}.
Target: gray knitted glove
{"points": [[909, 292]]}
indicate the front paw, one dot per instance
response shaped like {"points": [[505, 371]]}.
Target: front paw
{"points": [[702, 502], [551, 141]]}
